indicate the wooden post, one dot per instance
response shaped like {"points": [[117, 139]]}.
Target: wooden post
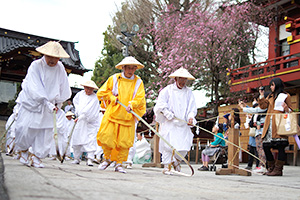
{"points": [[233, 159], [156, 154], [295, 144], [197, 151]]}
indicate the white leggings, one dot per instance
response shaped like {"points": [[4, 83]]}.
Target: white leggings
{"points": [[79, 149], [38, 139], [167, 155]]}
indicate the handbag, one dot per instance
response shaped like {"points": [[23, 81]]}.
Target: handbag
{"points": [[252, 131], [286, 124]]}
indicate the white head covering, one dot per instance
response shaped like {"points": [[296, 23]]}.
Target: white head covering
{"points": [[53, 49], [90, 84], [181, 72], [69, 113], [129, 61]]}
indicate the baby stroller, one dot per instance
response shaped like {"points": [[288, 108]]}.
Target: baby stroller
{"points": [[220, 157]]}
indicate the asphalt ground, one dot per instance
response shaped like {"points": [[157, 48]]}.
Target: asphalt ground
{"points": [[69, 181]]}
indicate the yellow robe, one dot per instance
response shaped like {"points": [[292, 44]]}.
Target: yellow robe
{"points": [[118, 126]]}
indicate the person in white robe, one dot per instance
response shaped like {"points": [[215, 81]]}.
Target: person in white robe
{"points": [[87, 110], [69, 107], [143, 150], [10, 127], [44, 89], [175, 101], [70, 124]]}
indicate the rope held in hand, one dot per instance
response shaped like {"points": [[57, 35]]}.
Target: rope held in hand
{"points": [[163, 139], [227, 141]]}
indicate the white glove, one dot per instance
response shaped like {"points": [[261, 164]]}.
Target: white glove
{"points": [[81, 117], [168, 114], [50, 106]]}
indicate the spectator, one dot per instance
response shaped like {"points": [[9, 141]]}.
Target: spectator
{"points": [[278, 101], [69, 107], [143, 150], [259, 127], [213, 147]]}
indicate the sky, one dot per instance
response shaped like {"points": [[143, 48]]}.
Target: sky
{"points": [[70, 20]]}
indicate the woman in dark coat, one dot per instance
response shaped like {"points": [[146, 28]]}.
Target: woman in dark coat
{"points": [[270, 137]]}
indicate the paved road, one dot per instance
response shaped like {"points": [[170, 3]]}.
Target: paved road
{"points": [[67, 181]]}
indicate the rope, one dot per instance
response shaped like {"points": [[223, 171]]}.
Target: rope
{"points": [[267, 113], [4, 135], [67, 146], [197, 122], [162, 138], [207, 119], [170, 165], [227, 141], [56, 136], [236, 152], [145, 130]]}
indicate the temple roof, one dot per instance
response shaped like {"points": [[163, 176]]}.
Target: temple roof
{"points": [[14, 44]]}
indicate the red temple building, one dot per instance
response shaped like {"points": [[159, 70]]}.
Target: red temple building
{"points": [[284, 52], [283, 62]]}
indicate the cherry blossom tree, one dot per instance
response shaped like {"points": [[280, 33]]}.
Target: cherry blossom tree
{"points": [[206, 42]]}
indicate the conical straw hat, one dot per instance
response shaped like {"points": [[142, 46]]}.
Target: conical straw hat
{"points": [[181, 72], [129, 61], [90, 84], [53, 49], [69, 113]]}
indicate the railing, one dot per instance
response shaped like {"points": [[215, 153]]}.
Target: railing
{"points": [[265, 69]]}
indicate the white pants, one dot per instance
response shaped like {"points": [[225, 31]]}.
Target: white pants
{"points": [[79, 149], [131, 153], [167, 156], [61, 146], [38, 139], [98, 152]]}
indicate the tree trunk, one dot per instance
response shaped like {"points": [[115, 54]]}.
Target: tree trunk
{"points": [[217, 97]]}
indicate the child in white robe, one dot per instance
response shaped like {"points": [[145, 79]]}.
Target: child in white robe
{"points": [[87, 110], [70, 124], [143, 150]]}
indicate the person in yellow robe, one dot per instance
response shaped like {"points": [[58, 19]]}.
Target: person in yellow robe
{"points": [[118, 124]]}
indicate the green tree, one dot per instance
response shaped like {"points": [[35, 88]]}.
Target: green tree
{"points": [[145, 13], [105, 66]]}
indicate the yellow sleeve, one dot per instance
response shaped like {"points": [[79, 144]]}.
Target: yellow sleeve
{"points": [[104, 94]]}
